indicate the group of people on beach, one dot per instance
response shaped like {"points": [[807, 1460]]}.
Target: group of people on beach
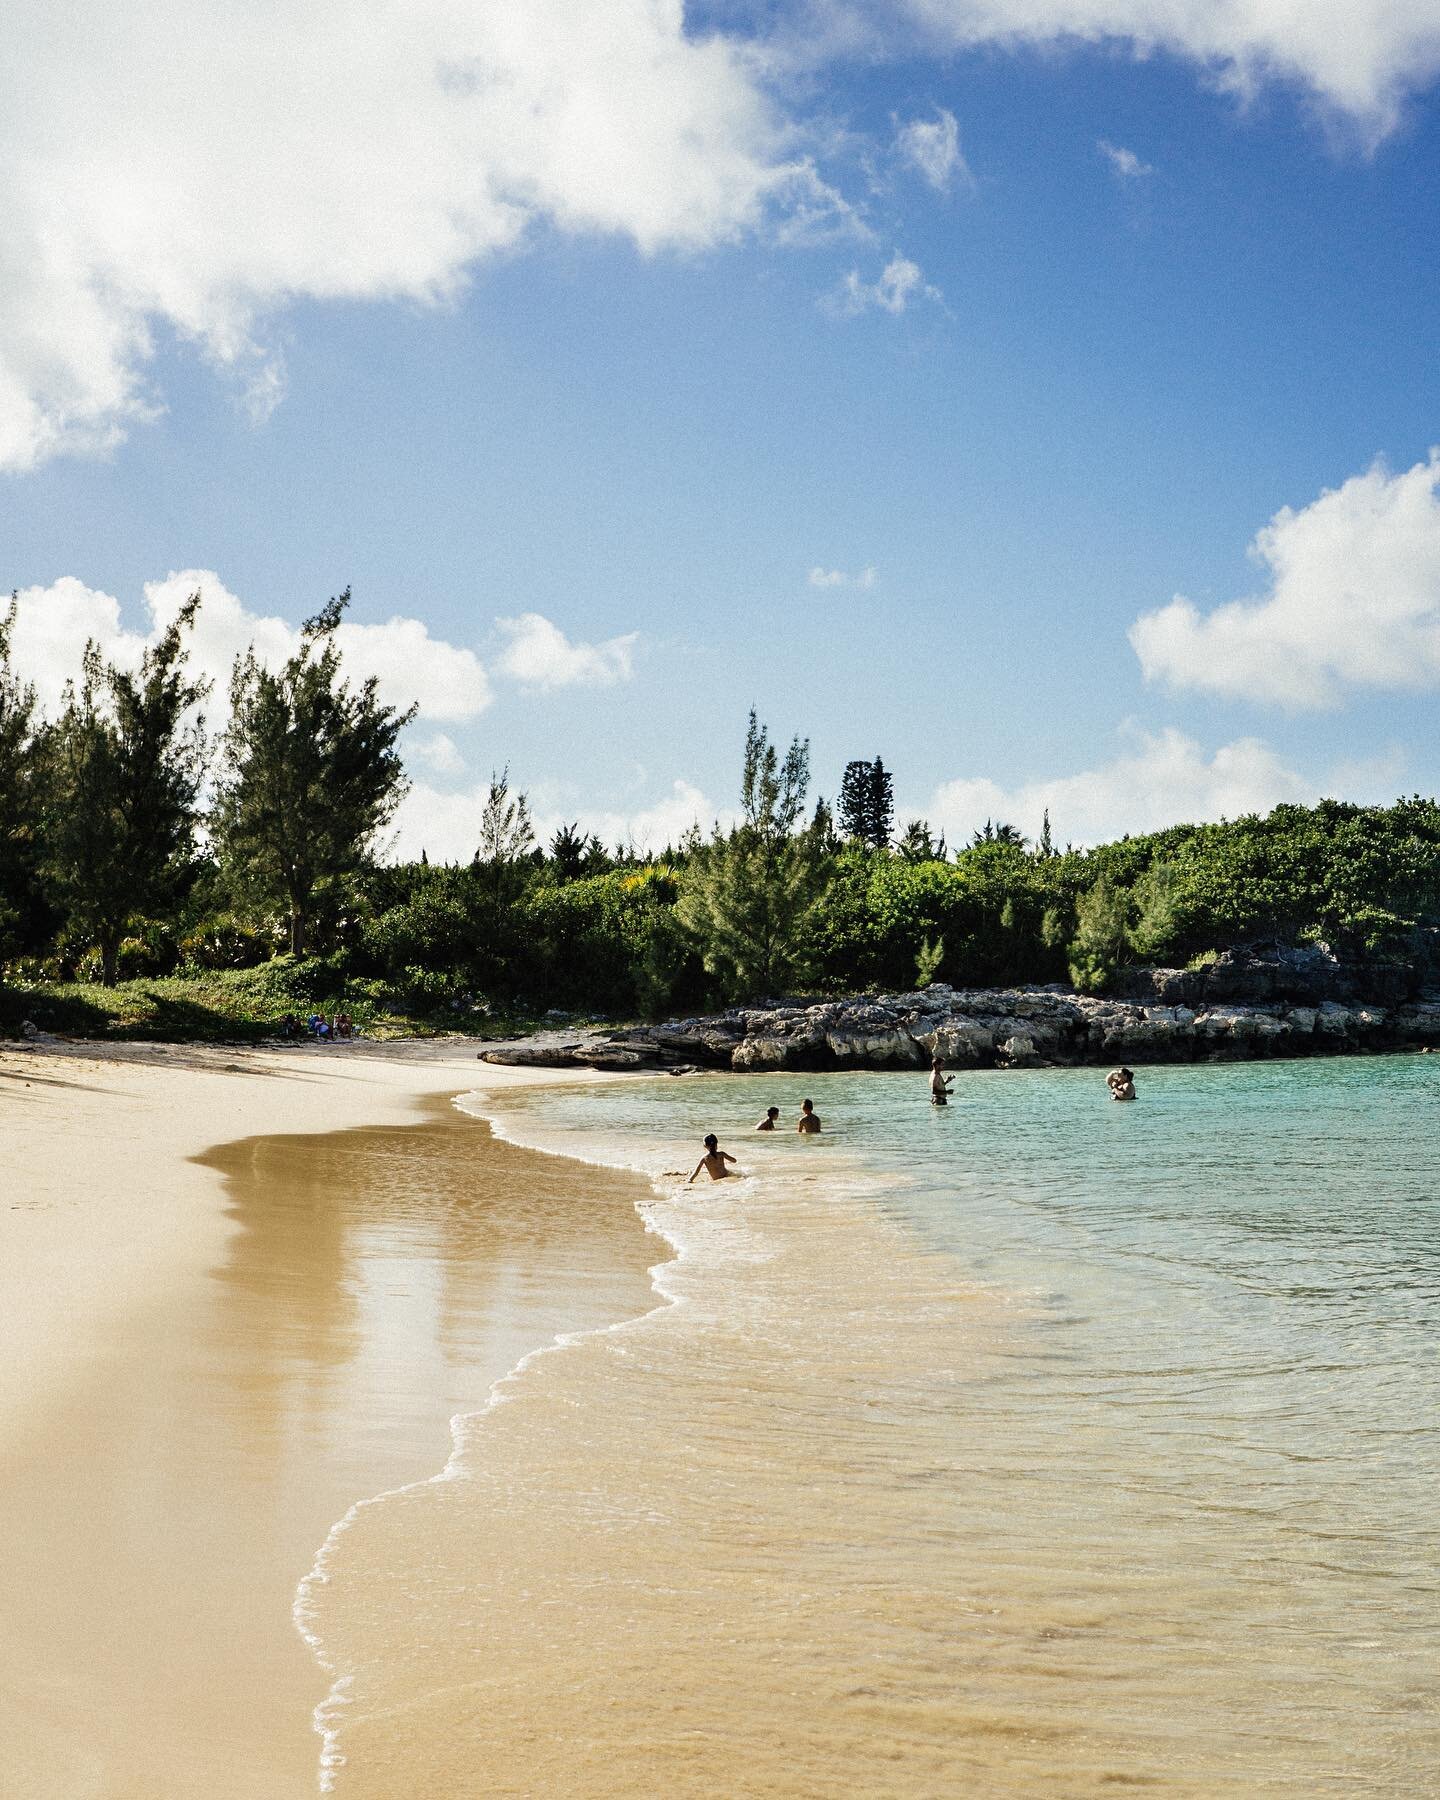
{"points": [[1121, 1083], [339, 1029]]}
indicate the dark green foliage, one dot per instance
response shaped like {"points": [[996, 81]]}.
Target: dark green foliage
{"points": [[867, 804], [917, 843], [748, 895], [25, 743], [123, 777], [310, 776]]}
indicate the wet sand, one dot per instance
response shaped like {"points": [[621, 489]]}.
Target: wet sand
{"points": [[321, 1307]]}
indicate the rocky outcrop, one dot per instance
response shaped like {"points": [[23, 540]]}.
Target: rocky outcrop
{"points": [[997, 1028]]}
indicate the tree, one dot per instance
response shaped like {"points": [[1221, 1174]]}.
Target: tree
{"points": [[310, 775], [1102, 918], [128, 763], [867, 803], [998, 834], [1045, 848], [567, 852], [23, 745], [506, 837], [747, 895], [918, 844]]}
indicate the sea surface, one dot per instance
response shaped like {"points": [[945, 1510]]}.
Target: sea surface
{"points": [[1037, 1445]]}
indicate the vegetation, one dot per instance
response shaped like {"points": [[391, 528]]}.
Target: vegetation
{"points": [[310, 776], [126, 906]]}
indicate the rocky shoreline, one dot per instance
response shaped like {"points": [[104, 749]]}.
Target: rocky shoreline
{"points": [[1304, 1003]]}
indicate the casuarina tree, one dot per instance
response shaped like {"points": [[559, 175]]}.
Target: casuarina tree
{"points": [[310, 775], [128, 759], [747, 894]]}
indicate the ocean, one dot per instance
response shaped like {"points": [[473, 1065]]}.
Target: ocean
{"points": [[1035, 1445]]}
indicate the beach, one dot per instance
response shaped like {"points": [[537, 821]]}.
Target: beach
{"points": [[209, 1360], [1036, 1446]]}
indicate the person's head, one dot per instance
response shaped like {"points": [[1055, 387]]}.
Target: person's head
{"points": [[772, 1112], [1127, 1074], [937, 1062], [807, 1106], [711, 1141]]}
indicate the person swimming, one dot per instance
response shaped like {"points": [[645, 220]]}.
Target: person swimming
{"points": [[772, 1113], [809, 1120], [939, 1083], [1121, 1083], [713, 1161]]}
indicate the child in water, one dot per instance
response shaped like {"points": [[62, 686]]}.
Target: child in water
{"points": [[1121, 1083], [772, 1113], [713, 1161], [809, 1120]]}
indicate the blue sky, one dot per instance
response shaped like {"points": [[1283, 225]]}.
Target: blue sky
{"points": [[884, 385]]}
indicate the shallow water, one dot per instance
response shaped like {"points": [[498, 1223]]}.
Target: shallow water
{"points": [[1034, 1446]]}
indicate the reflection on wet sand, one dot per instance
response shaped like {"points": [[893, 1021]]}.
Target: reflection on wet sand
{"points": [[377, 1283]]}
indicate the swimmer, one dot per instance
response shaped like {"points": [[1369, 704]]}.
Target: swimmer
{"points": [[713, 1161], [939, 1083], [1121, 1083], [772, 1113], [809, 1121]]}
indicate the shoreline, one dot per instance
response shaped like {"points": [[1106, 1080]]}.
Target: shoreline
{"points": [[127, 1165]]}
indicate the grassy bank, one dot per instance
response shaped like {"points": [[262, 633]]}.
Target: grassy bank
{"points": [[233, 1004]]}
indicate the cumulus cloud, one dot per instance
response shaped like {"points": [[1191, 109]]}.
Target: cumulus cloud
{"points": [[899, 282], [446, 825], [439, 753], [1159, 779], [538, 654], [1353, 601], [54, 623], [1125, 163], [194, 167], [1359, 58], [932, 147], [820, 577]]}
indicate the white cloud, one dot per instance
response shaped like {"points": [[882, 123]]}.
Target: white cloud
{"points": [[932, 146], [197, 166], [440, 753], [446, 825], [1359, 58], [1125, 163], [899, 282], [539, 655], [1353, 601], [839, 578], [1161, 779], [54, 623]]}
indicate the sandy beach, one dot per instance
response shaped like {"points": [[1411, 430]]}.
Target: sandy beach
{"points": [[212, 1353]]}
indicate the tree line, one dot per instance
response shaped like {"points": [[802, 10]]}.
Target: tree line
{"points": [[133, 841]]}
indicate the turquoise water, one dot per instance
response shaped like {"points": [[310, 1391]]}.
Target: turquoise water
{"points": [[1206, 1391]]}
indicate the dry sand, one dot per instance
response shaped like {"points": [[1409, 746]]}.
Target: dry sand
{"points": [[207, 1361]]}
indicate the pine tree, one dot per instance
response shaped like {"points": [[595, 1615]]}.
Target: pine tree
{"points": [[867, 803], [747, 895], [567, 852], [24, 741], [506, 838], [121, 816], [311, 775]]}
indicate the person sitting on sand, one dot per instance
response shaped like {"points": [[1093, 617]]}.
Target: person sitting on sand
{"points": [[1121, 1083], [713, 1161], [772, 1113], [939, 1084], [809, 1121]]}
